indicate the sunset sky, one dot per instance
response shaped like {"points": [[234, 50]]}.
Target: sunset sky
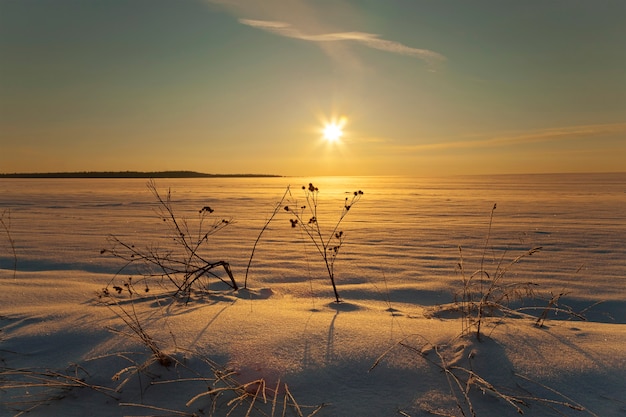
{"points": [[231, 86]]}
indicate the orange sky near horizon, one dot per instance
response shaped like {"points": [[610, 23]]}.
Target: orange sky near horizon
{"points": [[227, 86]]}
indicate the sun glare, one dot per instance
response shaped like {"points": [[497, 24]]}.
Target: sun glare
{"points": [[333, 130]]}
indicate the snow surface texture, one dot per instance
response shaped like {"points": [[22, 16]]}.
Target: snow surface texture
{"points": [[394, 346]]}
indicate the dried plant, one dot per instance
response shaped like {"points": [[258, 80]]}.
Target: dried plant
{"points": [[328, 242], [5, 222], [265, 226], [30, 388], [226, 393], [464, 364], [485, 294], [184, 266], [256, 396]]}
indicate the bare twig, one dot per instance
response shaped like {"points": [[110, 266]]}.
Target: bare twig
{"points": [[265, 226], [6, 227]]}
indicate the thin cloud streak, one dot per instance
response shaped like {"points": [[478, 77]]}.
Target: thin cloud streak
{"points": [[367, 39], [547, 135]]}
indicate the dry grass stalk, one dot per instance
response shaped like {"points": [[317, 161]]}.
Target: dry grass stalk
{"points": [[254, 395], [461, 380], [132, 322], [35, 388], [152, 407], [6, 228], [569, 403], [485, 294], [265, 226], [30, 378]]}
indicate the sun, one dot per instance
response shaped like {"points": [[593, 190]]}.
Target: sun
{"points": [[332, 130]]}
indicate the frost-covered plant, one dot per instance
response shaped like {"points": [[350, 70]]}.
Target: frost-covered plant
{"points": [[474, 369], [484, 293], [328, 242], [183, 266]]}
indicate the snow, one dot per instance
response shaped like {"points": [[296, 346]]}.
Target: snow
{"points": [[392, 347]]}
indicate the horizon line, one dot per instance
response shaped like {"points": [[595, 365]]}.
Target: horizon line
{"points": [[129, 174]]}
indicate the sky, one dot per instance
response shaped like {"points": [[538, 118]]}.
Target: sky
{"points": [[420, 87]]}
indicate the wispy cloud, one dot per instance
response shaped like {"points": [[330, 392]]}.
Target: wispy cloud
{"points": [[522, 138], [368, 39]]}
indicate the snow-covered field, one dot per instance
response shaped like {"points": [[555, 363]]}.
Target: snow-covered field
{"points": [[393, 347]]}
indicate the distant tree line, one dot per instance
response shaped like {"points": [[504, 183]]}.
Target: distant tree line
{"points": [[130, 174]]}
